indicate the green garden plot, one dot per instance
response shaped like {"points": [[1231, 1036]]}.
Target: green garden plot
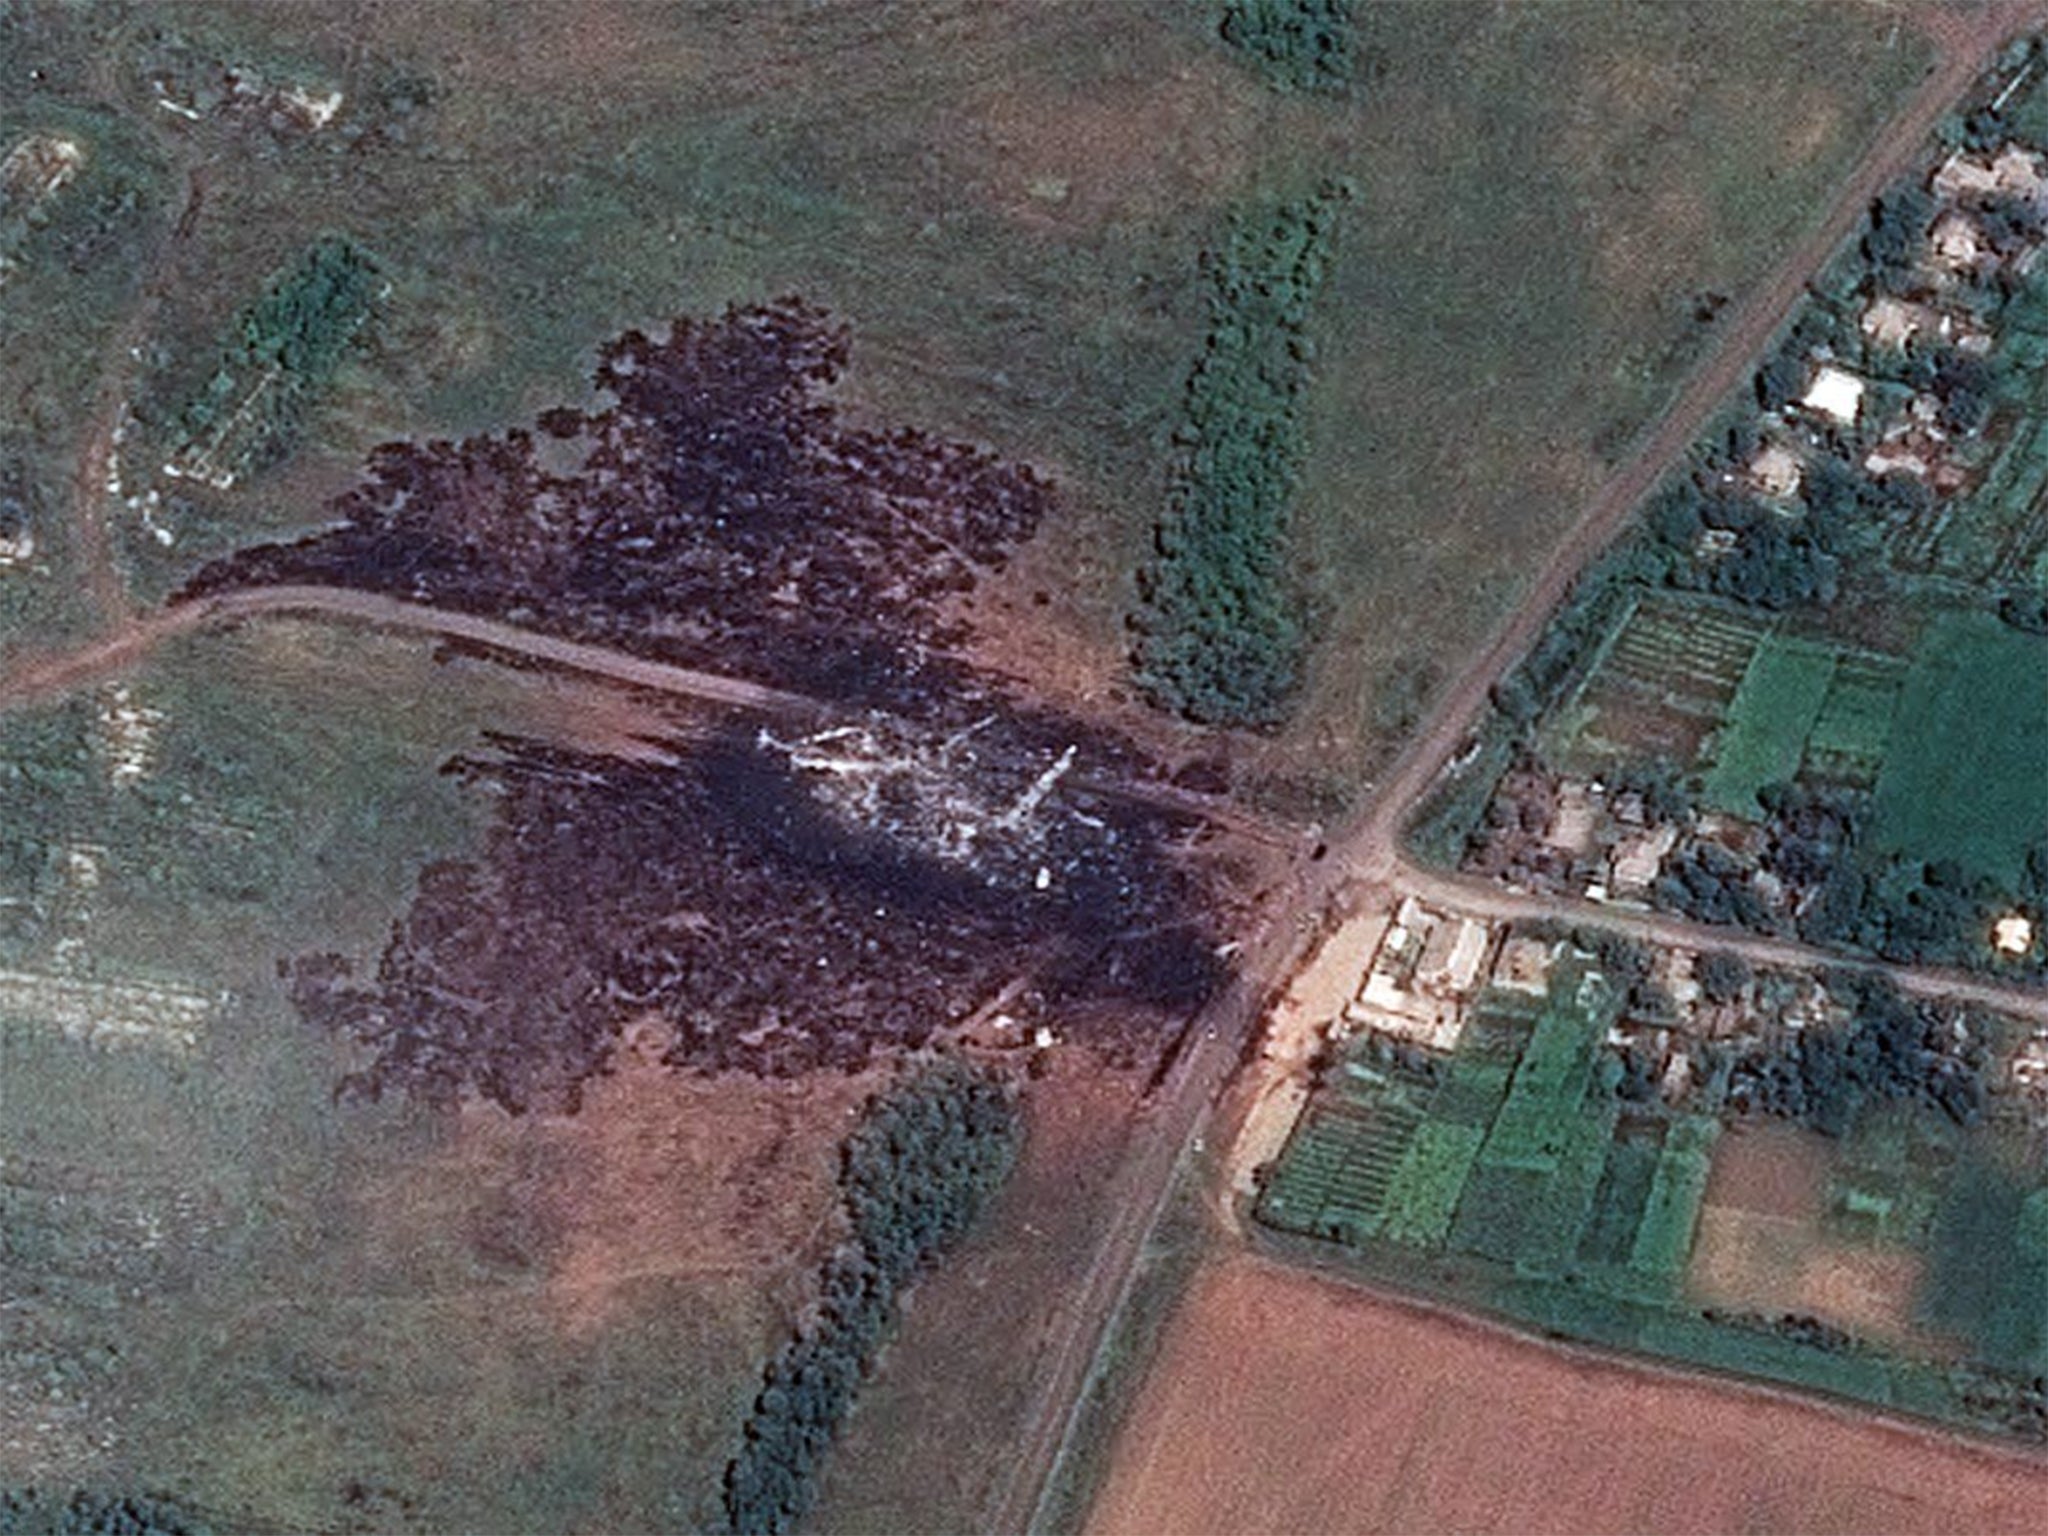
{"points": [[1531, 1192], [1991, 532], [1987, 1279], [1848, 740], [1339, 1165], [1618, 1204], [1664, 1239], [1534, 1126], [1424, 1193], [1662, 683], [1764, 740], [1966, 776]]}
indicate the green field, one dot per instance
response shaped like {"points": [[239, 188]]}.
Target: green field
{"points": [[1764, 738], [1965, 777]]}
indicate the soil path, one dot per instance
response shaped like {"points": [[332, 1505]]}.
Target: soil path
{"points": [[91, 496], [32, 679]]}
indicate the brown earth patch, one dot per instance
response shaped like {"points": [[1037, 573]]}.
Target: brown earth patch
{"points": [[1284, 1402], [1772, 1170], [1762, 1248], [659, 1176]]}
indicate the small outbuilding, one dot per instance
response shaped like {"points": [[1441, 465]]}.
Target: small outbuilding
{"points": [[1835, 393], [2012, 934]]}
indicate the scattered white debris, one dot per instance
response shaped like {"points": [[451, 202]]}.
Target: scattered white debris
{"points": [[127, 735]]}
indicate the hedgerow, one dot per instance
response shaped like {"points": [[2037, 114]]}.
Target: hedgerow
{"points": [[1220, 626], [915, 1174]]}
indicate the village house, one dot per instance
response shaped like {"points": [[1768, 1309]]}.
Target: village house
{"points": [[1525, 965], [1636, 860], [1957, 242], [1834, 393], [1775, 472]]}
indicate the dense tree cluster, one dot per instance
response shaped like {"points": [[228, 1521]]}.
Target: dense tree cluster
{"points": [[719, 513], [28, 1512], [713, 894], [1836, 891], [1892, 1049], [915, 1175], [1221, 629], [285, 348], [1298, 45]]}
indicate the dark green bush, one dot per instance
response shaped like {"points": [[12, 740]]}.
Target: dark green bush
{"points": [[1298, 45]]}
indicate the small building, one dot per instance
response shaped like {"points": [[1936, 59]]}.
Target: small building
{"points": [[1453, 957], [2012, 934], [1834, 393], [1637, 860], [1714, 543], [1958, 244], [2017, 173], [1896, 456], [1524, 966], [1891, 322], [1776, 471], [1571, 828], [1964, 175]]}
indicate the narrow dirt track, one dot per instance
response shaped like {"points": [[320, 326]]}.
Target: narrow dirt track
{"points": [[39, 678]]}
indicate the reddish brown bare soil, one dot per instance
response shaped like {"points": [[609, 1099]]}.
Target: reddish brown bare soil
{"points": [[1772, 1170], [935, 1432], [1282, 1402], [1762, 1246]]}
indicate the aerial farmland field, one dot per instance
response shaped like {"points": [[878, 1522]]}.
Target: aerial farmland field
{"points": [[1289, 1401], [1965, 779]]}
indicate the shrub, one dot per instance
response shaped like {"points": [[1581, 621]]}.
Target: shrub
{"points": [[1298, 45]]}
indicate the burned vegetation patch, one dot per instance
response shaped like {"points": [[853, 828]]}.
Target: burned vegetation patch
{"points": [[720, 513], [716, 895], [779, 896]]}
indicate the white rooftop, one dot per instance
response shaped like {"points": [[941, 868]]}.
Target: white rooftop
{"points": [[1834, 392]]}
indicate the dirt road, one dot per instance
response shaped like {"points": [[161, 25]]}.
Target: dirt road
{"points": [[34, 678], [1483, 898]]}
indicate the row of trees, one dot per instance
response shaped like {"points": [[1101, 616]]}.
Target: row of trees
{"points": [[1220, 628], [915, 1174]]}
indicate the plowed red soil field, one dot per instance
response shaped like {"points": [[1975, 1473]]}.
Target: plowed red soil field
{"points": [[1285, 1403]]}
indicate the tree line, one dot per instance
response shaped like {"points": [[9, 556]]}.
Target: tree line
{"points": [[1221, 631], [923, 1163]]}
